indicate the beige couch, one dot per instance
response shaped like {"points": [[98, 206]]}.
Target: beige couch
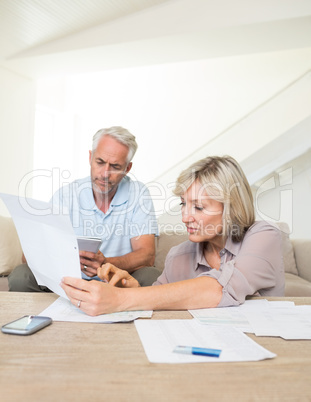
{"points": [[10, 250], [297, 256]]}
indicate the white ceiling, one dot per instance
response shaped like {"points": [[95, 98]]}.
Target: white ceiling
{"points": [[25, 24], [70, 36]]}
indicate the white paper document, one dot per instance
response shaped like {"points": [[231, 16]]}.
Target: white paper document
{"points": [[288, 323], [231, 316], [261, 317], [48, 241], [63, 310], [160, 337]]}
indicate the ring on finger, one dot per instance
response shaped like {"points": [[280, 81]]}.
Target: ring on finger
{"points": [[84, 267], [79, 303]]}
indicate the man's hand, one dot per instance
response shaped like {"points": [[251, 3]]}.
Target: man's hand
{"points": [[116, 276], [90, 262]]}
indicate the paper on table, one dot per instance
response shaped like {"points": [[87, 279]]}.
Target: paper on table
{"points": [[288, 323], [232, 316], [63, 310], [48, 241], [160, 337]]}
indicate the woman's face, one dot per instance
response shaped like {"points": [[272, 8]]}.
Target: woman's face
{"points": [[201, 214]]}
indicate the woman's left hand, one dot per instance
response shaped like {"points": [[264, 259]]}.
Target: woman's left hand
{"points": [[116, 276]]}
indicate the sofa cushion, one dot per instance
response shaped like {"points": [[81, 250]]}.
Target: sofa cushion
{"points": [[288, 250], [164, 242], [302, 250], [10, 248], [296, 286]]}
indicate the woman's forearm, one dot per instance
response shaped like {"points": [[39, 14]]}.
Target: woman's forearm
{"points": [[94, 297], [195, 293]]}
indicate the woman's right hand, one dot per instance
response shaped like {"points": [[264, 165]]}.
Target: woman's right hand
{"points": [[116, 276]]}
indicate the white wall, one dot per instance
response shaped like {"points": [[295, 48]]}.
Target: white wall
{"points": [[17, 105], [286, 196], [173, 109]]}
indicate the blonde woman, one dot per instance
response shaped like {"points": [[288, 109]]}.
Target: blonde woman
{"points": [[228, 255]]}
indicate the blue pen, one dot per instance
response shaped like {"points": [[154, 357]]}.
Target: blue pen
{"points": [[191, 350]]}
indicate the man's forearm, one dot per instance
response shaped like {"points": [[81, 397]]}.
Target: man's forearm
{"points": [[132, 261]]}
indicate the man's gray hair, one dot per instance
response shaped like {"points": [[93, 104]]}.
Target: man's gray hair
{"points": [[121, 135]]}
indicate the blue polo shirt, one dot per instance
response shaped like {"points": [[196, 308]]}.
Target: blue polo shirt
{"points": [[130, 214]]}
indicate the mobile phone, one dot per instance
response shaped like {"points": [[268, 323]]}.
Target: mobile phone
{"points": [[26, 325], [89, 243]]}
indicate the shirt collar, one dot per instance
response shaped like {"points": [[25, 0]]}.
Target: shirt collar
{"points": [[230, 246], [200, 259], [86, 196], [122, 194]]}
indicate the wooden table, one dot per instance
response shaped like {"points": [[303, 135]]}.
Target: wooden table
{"points": [[106, 362]]}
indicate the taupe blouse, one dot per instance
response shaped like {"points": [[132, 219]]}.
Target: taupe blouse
{"points": [[251, 267]]}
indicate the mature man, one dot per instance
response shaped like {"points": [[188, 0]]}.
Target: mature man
{"points": [[109, 205]]}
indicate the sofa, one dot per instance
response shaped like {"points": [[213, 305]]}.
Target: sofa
{"points": [[296, 254]]}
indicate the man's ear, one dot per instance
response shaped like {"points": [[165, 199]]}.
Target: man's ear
{"points": [[90, 156], [129, 167]]}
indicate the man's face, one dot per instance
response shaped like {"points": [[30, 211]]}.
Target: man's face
{"points": [[108, 165]]}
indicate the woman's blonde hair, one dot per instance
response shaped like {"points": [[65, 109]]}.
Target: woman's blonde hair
{"points": [[223, 180]]}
